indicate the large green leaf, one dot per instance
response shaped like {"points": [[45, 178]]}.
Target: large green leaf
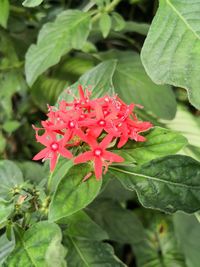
{"points": [[160, 142], [4, 12], [85, 253], [98, 78], [10, 177], [160, 246], [6, 247], [82, 226], [36, 247], [169, 184], [69, 30], [72, 194], [188, 234], [125, 75], [171, 52], [113, 219]]}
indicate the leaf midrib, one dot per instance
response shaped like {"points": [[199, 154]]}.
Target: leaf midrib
{"points": [[182, 18], [156, 179], [79, 252]]}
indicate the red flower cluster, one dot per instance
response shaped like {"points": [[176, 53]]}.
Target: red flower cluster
{"points": [[91, 123]]}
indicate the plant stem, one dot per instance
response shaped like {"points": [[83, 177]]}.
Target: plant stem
{"points": [[109, 8]]}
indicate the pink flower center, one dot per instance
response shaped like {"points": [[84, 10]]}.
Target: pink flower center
{"points": [[71, 124], [54, 146], [98, 152], [101, 122]]}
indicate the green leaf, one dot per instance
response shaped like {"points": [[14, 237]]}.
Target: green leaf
{"points": [[99, 79], [132, 26], [4, 12], [105, 24], [126, 72], [160, 246], [6, 247], [188, 234], [133, 85], [46, 91], [36, 247], [32, 171], [160, 142], [10, 177], [70, 30], [85, 253], [169, 184], [2, 143], [32, 3], [118, 21], [11, 126], [113, 219], [171, 52], [5, 211], [62, 167], [72, 194], [81, 226]]}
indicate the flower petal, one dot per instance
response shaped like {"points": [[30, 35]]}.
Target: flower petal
{"points": [[65, 153], [53, 161], [84, 157], [106, 141], [112, 157], [42, 154], [98, 167]]}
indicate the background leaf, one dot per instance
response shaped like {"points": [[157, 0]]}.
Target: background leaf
{"points": [[69, 30], [171, 51], [10, 177], [160, 142], [32, 3], [169, 184], [72, 194], [34, 247], [4, 12]]}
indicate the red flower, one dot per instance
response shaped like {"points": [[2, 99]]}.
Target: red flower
{"points": [[53, 148], [98, 154], [84, 122]]}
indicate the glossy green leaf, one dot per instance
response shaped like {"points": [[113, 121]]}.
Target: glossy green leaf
{"points": [[10, 177], [121, 225], [169, 184], [160, 142], [125, 75], [160, 246], [32, 3], [171, 52], [72, 194], [6, 247], [70, 30], [84, 253], [99, 79], [105, 24], [4, 12], [188, 234], [80, 225], [36, 247], [62, 167]]}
